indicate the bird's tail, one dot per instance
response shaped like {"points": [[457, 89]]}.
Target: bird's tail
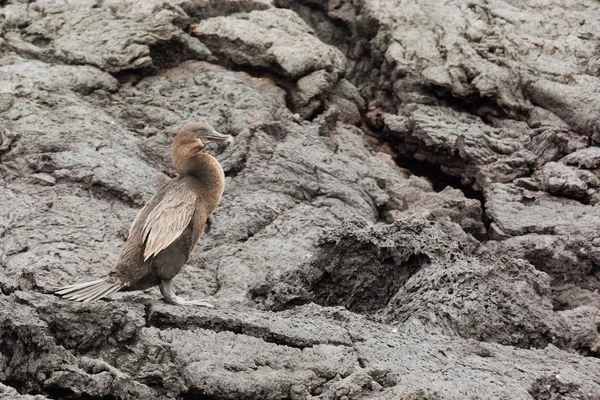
{"points": [[89, 291]]}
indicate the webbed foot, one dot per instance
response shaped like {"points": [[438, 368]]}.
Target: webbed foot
{"points": [[169, 296]]}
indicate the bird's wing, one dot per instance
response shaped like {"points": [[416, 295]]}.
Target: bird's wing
{"points": [[139, 216], [167, 221]]}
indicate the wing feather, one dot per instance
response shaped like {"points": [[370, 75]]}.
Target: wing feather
{"points": [[138, 217], [167, 221]]}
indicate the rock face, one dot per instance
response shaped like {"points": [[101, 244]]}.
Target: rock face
{"points": [[411, 271], [410, 208]]}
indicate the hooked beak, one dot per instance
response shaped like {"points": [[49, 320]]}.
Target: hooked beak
{"points": [[215, 136]]}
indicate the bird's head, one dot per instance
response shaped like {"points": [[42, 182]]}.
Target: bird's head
{"points": [[198, 135], [190, 140]]}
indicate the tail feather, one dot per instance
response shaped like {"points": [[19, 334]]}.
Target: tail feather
{"points": [[71, 288], [92, 291], [89, 291], [83, 292], [103, 293]]}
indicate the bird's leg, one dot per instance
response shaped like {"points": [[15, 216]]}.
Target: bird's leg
{"points": [[166, 288]]}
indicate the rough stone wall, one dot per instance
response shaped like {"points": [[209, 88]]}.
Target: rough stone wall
{"points": [[410, 210]]}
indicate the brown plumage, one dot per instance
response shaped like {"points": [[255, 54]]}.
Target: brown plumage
{"points": [[166, 230]]}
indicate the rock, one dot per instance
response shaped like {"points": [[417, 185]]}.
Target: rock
{"points": [[574, 103], [7, 285], [82, 80], [313, 84], [553, 233], [584, 321], [308, 87], [467, 147], [205, 9], [413, 271], [277, 40], [565, 258], [462, 138], [253, 354], [561, 180], [588, 158], [45, 179], [98, 37], [7, 392], [516, 211], [554, 387], [273, 38], [345, 96]]}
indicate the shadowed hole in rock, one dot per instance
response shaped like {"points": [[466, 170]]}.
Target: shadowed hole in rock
{"points": [[329, 30], [363, 282], [235, 169], [354, 267], [132, 76], [17, 385], [315, 113], [37, 40], [42, 42], [474, 104], [169, 53], [164, 54], [439, 181], [588, 351]]}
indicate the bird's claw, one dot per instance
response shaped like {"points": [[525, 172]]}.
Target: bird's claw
{"points": [[179, 301]]}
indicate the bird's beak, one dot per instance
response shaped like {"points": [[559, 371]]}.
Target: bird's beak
{"points": [[215, 136]]}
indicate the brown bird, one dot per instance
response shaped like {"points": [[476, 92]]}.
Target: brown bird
{"points": [[166, 230]]}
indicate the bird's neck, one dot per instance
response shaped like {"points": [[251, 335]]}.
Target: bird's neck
{"points": [[205, 168]]}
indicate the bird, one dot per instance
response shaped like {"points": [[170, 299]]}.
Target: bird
{"points": [[167, 228]]}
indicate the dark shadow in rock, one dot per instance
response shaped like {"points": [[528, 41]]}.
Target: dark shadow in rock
{"points": [[169, 53], [348, 270], [414, 271], [165, 54], [362, 278], [439, 180], [132, 76], [551, 387], [474, 103], [333, 31], [199, 10]]}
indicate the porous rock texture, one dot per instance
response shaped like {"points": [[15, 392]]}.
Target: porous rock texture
{"points": [[410, 211]]}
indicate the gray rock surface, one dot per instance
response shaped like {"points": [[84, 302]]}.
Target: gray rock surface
{"points": [[410, 208], [129, 350], [413, 271]]}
